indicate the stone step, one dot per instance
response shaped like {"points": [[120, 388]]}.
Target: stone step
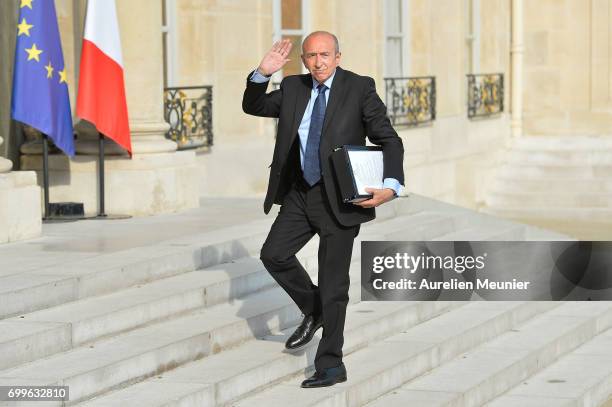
{"points": [[27, 292], [58, 284], [535, 171], [477, 376], [421, 226], [553, 185], [593, 157], [491, 232], [575, 223], [581, 378], [583, 143], [109, 363], [505, 198], [595, 215], [462, 217], [538, 234], [60, 328], [382, 366], [45, 332], [465, 218], [221, 378]]}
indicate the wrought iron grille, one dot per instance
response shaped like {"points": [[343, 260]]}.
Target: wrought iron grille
{"points": [[485, 94], [188, 110], [411, 100]]}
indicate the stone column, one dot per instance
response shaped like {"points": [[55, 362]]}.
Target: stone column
{"points": [[158, 178], [143, 64], [141, 40], [8, 22], [517, 68]]}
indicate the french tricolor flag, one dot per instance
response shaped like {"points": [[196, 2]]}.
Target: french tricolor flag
{"points": [[101, 96]]}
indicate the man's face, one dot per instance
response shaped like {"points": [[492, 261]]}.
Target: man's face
{"points": [[320, 57]]}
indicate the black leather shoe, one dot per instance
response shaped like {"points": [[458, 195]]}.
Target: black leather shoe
{"points": [[304, 333], [326, 377]]}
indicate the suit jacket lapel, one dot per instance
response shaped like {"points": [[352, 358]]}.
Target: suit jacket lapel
{"points": [[301, 100], [336, 96]]}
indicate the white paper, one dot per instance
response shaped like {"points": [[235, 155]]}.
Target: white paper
{"points": [[367, 168]]}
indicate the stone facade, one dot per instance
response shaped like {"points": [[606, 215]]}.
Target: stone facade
{"points": [[447, 159], [568, 70], [215, 42]]}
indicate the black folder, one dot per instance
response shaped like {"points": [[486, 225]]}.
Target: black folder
{"points": [[344, 170]]}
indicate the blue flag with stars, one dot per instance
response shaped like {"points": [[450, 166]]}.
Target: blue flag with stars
{"points": [[40, 91]]}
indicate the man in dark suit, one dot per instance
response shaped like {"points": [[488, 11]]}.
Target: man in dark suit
{"points": [[317, 112]]}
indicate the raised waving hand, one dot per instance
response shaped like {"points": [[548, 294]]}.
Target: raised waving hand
{"points": [[276, 58]]}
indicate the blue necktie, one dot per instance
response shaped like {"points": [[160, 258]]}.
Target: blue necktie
{"points": [[312, 165]]}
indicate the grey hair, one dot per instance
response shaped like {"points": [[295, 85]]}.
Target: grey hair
{"points": [[336, 43]]}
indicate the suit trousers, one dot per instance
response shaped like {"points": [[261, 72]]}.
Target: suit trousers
{"points": [[304, 212]]}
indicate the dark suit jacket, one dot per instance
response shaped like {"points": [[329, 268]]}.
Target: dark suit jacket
{"points": [[354, 110]]}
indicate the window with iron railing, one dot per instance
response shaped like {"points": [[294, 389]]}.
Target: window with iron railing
{"points": [[188, 110], [411, 101], [485, 94]]}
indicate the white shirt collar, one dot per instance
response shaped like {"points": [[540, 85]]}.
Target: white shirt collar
{"points": [[327, 83]]}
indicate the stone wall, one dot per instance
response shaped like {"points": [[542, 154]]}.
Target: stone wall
{"points": [[568, 70]]}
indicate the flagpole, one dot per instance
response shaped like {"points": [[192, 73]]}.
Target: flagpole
{"points": [[46, 175], [101, 211]]}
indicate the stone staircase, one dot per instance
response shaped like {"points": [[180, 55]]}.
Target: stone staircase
{"points": [[559, 183], [199, 322]]}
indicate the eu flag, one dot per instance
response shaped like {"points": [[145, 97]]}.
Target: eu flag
{"points": [[40, 91]]}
